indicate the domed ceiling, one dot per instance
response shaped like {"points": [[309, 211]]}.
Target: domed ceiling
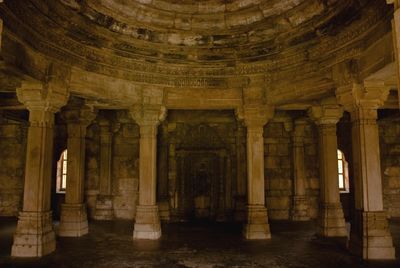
{"points": [[196, 38]]}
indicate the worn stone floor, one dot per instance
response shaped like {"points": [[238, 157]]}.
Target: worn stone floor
{"points": [[110, 244]]}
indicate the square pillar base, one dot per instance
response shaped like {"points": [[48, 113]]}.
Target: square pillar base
{"points": [[147, 223], [104, 208], [370, 236], [34, 236], [331, 220], [73, 221], [240, 209], [300, 209], [257, 226], [164, 212]]}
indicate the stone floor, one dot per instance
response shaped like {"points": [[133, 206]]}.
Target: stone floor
{"points": [[110, 244]]}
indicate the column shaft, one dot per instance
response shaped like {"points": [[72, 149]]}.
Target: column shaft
{"points": [[104, 202], [73, 222], [370, 235], [34, 236], [257, 226], [240, 199], [147, 225], [300, 202], [331, 218]]}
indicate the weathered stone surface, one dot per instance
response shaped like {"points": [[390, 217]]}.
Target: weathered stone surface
{"points": [[12, 158]]}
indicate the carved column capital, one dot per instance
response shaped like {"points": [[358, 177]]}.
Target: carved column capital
{"points": [[148, 115], [368, 96], [255, 116], [42, 101], [38, 96], [327, 113], [83, 115]]}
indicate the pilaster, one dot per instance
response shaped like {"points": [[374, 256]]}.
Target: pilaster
{"points": [[370, 235], [299, 211], [104, 203], [240, 198], [255, 117], [331, 219], [34, 236], [147, 224], [73, 220]]}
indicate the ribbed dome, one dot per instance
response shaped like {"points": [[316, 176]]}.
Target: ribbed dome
{"points": [[206, 38]]}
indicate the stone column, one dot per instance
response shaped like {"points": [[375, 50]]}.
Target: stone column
{"points": [[147, 225], [370, 235], [240, 199], [73, 219], [331, 219], [162, 172], [104, 205], [35, 236], [300, 201], [257, 226]]}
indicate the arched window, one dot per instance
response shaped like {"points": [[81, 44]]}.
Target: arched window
{"points": [[62, 172], [343, 172]]}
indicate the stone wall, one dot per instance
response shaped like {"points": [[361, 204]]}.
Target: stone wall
{"points": [[279, 169], [311, 160], [92, 165], [12, 159], [389, 132], [124, 167], [125, 170]]}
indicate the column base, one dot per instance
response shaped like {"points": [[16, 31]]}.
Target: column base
{"points": [[147, 223], [104, 208], [300, 209], [34, 236], [331, 221], [163, 209], [73, 221], [257, 226], [370, 236], [240, 210]]}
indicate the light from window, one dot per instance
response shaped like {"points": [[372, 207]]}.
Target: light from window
{"points": [[62, 172], [342, 172]]}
